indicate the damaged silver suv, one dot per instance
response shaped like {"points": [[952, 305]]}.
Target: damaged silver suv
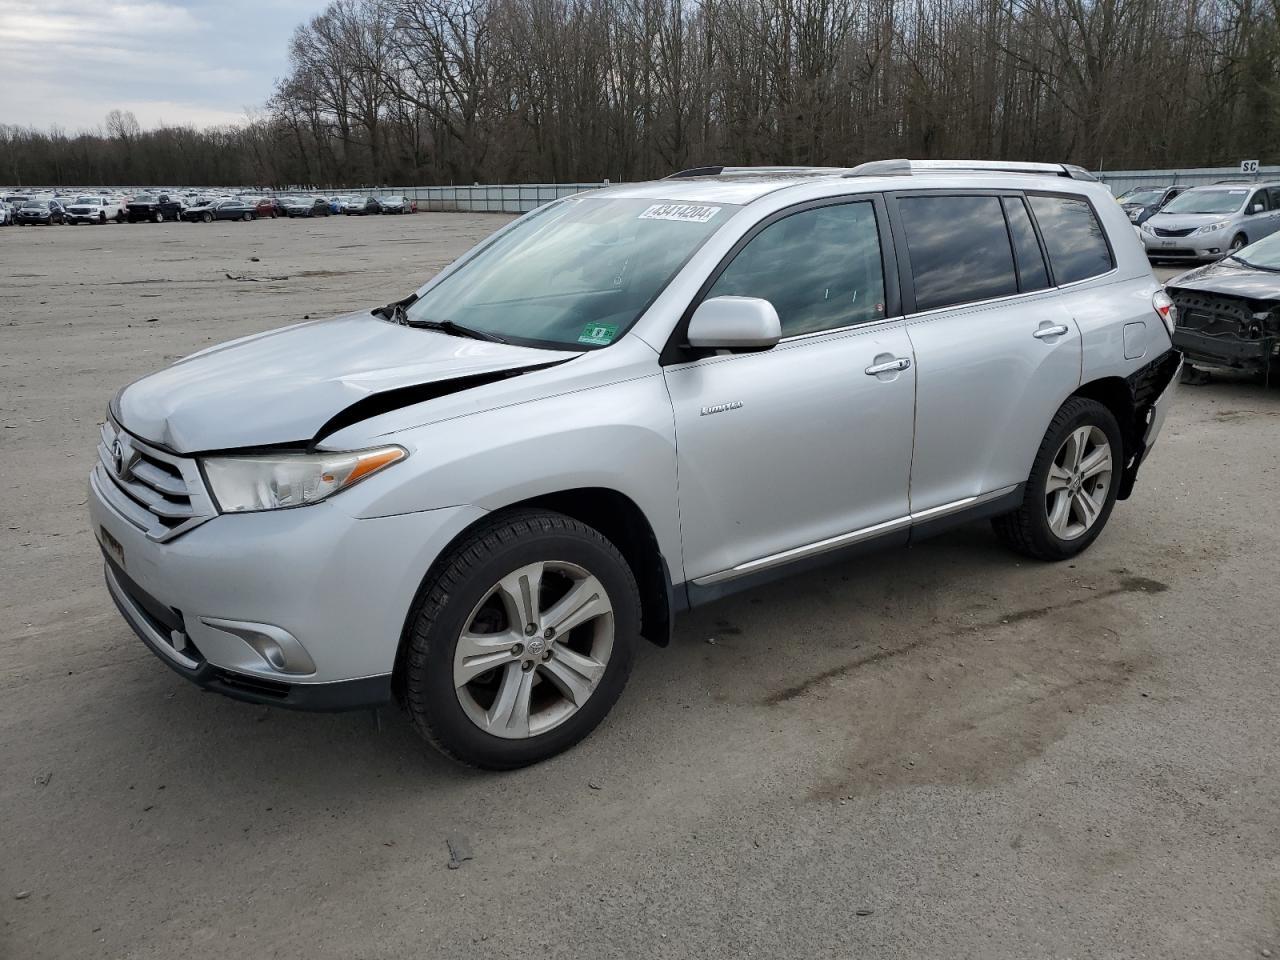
{"points": [[477, 499]]}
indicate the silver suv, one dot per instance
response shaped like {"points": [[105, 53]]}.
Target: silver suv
{"points": [[627, 403], [1207, 223]]}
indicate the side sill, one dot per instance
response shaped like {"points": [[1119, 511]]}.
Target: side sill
{"points": [[918, 527]]}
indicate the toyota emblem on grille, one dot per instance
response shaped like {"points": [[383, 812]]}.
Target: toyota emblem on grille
{"points": [[122, 458]]}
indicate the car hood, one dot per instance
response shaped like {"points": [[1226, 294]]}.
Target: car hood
{"points": [[1181, 221], [1230, 278], [285, 386]]}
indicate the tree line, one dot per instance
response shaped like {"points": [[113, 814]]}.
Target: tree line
{"points": [[461, 91]]}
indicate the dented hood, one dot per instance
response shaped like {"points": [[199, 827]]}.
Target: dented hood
{"points": [[283, 386], [1230, 278]]}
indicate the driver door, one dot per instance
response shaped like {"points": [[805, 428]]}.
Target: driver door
{"points": [[807, 446]]}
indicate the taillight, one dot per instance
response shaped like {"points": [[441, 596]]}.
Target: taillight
{"points": [[1164, 306]]}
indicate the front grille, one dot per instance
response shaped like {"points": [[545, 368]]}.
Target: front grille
{"points": [[168, 489], [1164, 232]]}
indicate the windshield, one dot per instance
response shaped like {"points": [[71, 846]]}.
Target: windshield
{"points": [[35, 205], [575, 274], [1142, 197], [1208, 201], [1265, 253]]}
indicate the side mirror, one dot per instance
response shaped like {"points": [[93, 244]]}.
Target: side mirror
{"points": [[1256, 208], [734, 323]]}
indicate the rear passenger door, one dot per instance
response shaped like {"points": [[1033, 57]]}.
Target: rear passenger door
{"points": [[996, 352]]}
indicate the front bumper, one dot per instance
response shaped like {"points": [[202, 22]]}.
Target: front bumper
{"points": [[1234, 352], [341, 588], [1213, 246]]}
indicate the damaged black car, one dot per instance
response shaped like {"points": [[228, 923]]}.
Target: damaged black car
{"points": [[1229, 311]]}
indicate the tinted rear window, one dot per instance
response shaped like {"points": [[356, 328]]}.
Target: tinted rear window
{"points": [[1074, 238], [959, 250]]}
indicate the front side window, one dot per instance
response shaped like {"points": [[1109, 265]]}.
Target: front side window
{"points": [[821, 269], [1259, 198], [959, 249], [1077, 246], [574, 274]]}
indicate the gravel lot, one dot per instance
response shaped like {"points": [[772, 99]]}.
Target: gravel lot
{"points": [[945, 751]]}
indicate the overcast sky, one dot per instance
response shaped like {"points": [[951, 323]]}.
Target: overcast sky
{"points": [[68, 62]]}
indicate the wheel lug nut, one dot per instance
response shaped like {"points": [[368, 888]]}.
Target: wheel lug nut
{"points": [[550, 632], [547, 655], [527, 666], [517, 649], [530, 629]]}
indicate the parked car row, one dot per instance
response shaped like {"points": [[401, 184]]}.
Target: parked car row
{"points": [[191, 206], [1226, 313]]}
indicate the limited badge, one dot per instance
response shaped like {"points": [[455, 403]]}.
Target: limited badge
{"points": [[598, 334]]}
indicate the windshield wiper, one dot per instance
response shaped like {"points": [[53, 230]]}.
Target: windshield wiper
{"points": [[398, 312], [453, 329]]}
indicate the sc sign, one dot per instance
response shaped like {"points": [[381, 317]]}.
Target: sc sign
{"points": [[1248, 166]]}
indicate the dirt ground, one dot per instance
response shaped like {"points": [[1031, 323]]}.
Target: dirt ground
{"points": [[945, 751]]}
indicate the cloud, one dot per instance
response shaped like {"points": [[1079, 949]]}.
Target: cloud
{"points": [[202, 62]]}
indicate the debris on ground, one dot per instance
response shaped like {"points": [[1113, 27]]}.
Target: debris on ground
{"points": [[22, 895], [593, 784], [864, 912], [254, 279], [459, 851], [42, 779]]}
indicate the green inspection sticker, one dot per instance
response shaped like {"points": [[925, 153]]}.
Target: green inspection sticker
{"points": [[598, 334]]}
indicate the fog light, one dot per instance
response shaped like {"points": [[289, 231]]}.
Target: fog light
{"points": [[278, 648]]}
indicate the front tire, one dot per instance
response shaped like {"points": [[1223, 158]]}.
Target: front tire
{"points": [[521, 640], [1073, 484]]}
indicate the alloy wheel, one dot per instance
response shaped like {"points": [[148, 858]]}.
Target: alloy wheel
{"points": [[1078, 482], [534, 649]]}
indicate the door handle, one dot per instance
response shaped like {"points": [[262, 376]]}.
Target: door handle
{"points": [[889, 366], [1044, 333]]}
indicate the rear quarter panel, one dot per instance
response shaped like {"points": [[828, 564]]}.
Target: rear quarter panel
{"points": [[1104, 306]]}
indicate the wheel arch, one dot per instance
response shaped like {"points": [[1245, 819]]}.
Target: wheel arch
{"points": [[1116, 394], [621, 521]]}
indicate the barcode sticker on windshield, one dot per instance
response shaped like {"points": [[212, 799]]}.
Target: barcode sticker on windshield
{"points": [[688, 212]]}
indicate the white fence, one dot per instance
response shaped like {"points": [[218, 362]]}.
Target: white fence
{"points": [[522, 197], [1121, 180]]}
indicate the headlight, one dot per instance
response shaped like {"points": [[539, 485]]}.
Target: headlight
{"points": [[1147, 228], [242, 484], [1214, 227], [1136, 212]]}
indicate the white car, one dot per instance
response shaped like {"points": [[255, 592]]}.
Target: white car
{"points": [[115, 208], [478, 498], [87, 209]]}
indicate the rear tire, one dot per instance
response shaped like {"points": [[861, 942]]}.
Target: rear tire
{"points": [[1069, 496], [482, 588]]}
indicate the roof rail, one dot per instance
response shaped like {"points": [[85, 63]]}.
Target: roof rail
{"points": [[905, 168], [754, 171], [695, 172]]}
